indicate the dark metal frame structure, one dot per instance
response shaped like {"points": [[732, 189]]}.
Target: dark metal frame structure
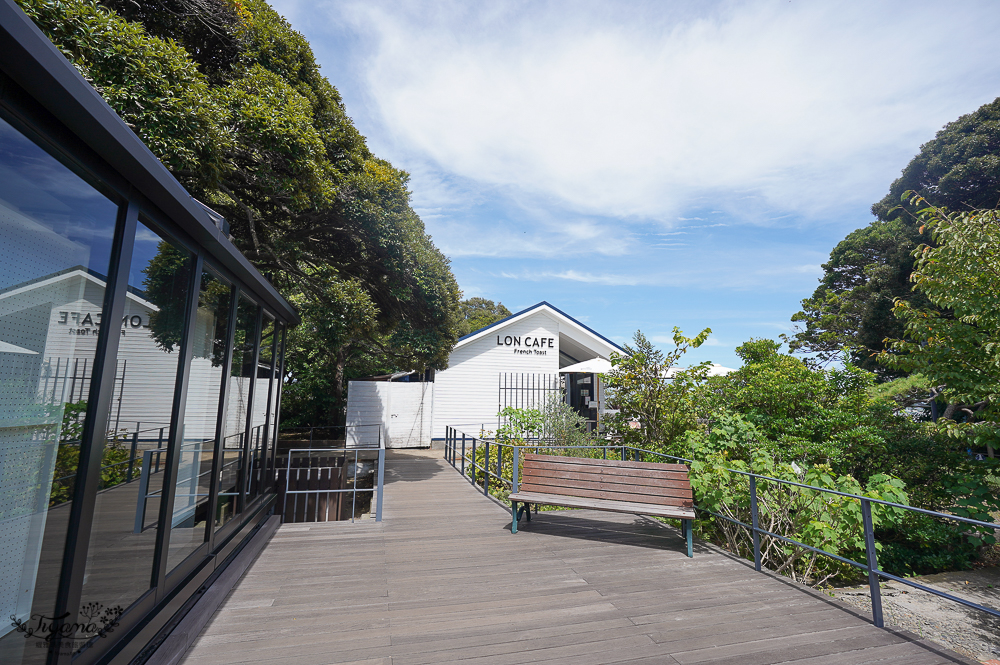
{"points": [[45, 98]]}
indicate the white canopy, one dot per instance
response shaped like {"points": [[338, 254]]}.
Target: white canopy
{"points": [[592, 366]]}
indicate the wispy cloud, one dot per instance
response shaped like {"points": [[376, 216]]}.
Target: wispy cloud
{"points": [[577, 276], [800, 106]]}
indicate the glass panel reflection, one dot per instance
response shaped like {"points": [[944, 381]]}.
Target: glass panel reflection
{"points": [[241, 372], [201, 413], [260, 408], [122, 542], [55, 242], [275, 398]]}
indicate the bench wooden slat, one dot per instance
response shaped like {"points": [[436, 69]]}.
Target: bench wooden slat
{"points": [[542, 473], [598, 504], [667, 497], [611, 496], [609, 471], [653, 466], [557, 464]]}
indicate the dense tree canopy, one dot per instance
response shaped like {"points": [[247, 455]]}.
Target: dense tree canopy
{"points": [[476, 313], [956, 343], [231, 99], [852, 307]]}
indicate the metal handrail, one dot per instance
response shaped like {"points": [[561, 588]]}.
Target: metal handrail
{"points": [[311, 430], [377, 490], [457, 458]]}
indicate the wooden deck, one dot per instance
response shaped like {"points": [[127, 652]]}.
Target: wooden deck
{"points": [[442, 579]]}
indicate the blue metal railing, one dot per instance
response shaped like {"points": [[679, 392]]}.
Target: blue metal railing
{"points": [[458, 444]]}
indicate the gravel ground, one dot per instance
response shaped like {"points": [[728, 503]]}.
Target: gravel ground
{"points": [[961, 629]]}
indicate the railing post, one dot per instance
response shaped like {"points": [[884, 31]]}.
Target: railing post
{"points": [[354, 486], [605, 452], [873, 582], [381, 477], [499, 463], [463, 454], [754, 522], [486, 468], [517, 459], [474, 469], [131, 455], [140, 507], [288, 479]]}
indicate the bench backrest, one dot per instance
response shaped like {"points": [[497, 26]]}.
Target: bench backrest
{"points": [[637, 482]]}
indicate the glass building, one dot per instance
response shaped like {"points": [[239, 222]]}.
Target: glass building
{"points": [[140, 365]]}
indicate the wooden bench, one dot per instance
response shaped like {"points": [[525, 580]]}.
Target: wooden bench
{"points": [[644, 488]]}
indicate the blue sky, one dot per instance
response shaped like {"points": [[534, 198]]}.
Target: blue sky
{"points": [[645, 165]]}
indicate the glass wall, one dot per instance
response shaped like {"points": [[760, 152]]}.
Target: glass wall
{"points": [[197, 452], [168, 357], [55, 245], [233, 475], [260, 407], [120, 563]]}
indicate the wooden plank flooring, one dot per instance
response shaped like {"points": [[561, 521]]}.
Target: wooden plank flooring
{"points": [[443, 580]]}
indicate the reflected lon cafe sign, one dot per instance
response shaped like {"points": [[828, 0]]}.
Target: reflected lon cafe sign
{"points": [[528, 345], [81, 323]]}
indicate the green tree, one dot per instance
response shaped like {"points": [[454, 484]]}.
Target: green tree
{"points": [[477, 313], [956, 343], [833, 428], [231, 99], [850, 313], [657, 402], [166, 286], [809, 415], [851, 309]]}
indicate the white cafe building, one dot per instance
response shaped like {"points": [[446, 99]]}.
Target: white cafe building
{"points": [[519, 361]]}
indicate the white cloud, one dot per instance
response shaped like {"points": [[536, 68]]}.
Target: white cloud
{"points": [[577, 276], [755, 109]]}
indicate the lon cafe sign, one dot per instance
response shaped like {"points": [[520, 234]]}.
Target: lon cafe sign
{"points": [[538, 346]]}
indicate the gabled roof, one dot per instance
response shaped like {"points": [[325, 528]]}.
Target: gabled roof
{"points": [[524, 313], [68, 273]]}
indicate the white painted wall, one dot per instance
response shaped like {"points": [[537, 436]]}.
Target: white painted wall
{"points": [[467, 392], [404, 410]]}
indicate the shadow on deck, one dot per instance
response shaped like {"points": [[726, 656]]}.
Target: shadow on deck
{"points": [[442, 579]]}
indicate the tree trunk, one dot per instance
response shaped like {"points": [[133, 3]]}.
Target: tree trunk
{"points": [[339, 416]]}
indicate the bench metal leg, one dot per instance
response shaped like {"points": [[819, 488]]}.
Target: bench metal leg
{"points": [[513, 516], [689, 533]]}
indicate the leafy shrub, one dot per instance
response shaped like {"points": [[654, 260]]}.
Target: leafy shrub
{"points": [[819, 519]]}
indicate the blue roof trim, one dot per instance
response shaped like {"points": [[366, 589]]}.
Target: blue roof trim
{"points": [[533, 307]]}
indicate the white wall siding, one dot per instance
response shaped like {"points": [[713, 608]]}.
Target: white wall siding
{"points": [[467, 392], [410, 415], [404, 411], [366, 413]]}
